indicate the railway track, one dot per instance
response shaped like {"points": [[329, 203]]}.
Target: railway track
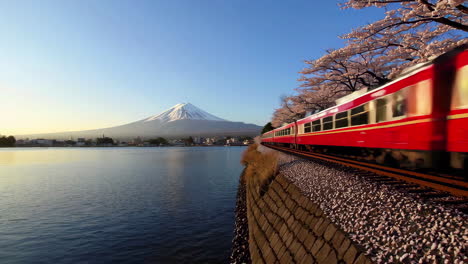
{"points": [[445, 189]]}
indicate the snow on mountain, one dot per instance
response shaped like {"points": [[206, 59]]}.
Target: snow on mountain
{"points": [[183, 111], [181, 120]]}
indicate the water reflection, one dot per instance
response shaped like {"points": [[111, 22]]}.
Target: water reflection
{"points": [[106, 205], [38, 155]]}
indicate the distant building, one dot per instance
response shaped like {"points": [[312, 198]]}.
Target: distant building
{"points": [[43, 142], [137, 141]]}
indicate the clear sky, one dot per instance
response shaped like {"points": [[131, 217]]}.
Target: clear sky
{"points": [[73, 65]]}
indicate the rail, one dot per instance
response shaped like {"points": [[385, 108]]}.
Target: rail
{"points": [[446, 183]]}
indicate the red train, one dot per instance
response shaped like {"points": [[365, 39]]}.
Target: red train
{"points": [[418, 120]]}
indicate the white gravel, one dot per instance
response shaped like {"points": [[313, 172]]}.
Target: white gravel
{"points": [[391, 225]]}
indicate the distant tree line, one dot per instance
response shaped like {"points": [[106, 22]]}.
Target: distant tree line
{"points": [[267, 127], [104, 141], [158, 141], [7, 141]]}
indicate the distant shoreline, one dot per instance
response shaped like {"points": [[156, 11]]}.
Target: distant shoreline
{"points": [[20, 147]]}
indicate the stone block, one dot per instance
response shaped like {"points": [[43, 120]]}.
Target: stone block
{"points": [[337, 239], [273, 208], [289, 203], [264, 247], [297, 228], [270, 257], [282, 195], [286, 258], [321, 229], [323, 253], [309, 242], [255, 232], [350, 254], [288, 238], [313, 222], [294, 247], [304, 217], [331, 258], [274, 240], [260, 239], [275, 185], [269, 232], [291, 189], [286, 214], [261, 204], [329, 232], [318, 224], [256, 257], [361, 259], [303, 234], [317, 246], [290, 221], [295, 195], [299, 255], [264, 224], [318, 212], [299, 212], [271, 218], [282, 250], [281, 211], [278, 224], [311, 207], [343, 247], [307, 259], [283, 229], [256, 211], [281, 180], [262, 220]]}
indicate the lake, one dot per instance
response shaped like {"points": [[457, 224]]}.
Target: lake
{"points": [[126, 205]]}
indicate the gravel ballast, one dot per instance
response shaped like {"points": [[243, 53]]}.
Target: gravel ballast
{"points": [[392, 226]]}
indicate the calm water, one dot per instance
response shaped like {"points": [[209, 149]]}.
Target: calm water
{"points": [[103, 205]]}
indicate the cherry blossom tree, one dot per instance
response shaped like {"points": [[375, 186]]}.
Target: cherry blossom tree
{"points": [[290, 111], [412, 31], [452, 13]]}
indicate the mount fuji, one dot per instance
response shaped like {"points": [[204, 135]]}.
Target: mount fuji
{"points": [[181, 120]]}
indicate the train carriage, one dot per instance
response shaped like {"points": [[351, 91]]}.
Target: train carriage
{"points": [[418, 120], [457, 118]]}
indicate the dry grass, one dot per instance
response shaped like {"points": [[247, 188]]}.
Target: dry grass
{"points": [[260, 168]]}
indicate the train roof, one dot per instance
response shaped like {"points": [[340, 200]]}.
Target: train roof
{"points": [[374, 93]]}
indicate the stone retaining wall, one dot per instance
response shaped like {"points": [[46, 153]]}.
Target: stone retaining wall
{"points": [[287, 227]]}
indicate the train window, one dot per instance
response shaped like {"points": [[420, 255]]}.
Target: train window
{"points": [[360, 115], [420, 98], [460, 89], [399, 105], [341, 119], [328, 123], [316, 125], [381, 109], [307, 128]]}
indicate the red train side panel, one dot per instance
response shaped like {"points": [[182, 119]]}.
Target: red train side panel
{"points": [[457, 124]]}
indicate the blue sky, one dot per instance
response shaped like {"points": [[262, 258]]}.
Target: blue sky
{"points": [[72, 65]]}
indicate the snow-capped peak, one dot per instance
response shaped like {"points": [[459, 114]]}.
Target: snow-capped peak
{"points": [[183, 111]]}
